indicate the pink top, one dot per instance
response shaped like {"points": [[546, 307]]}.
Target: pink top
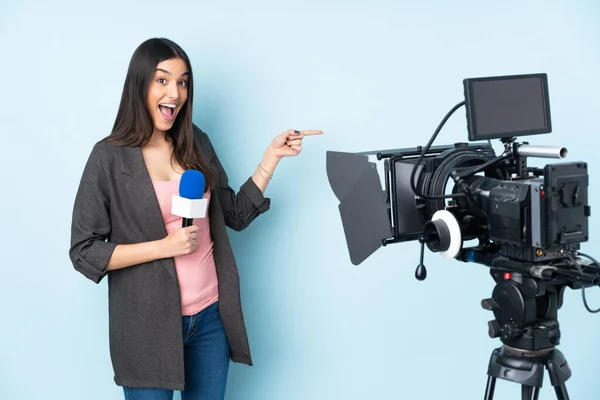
{"points": [[196, 271]]}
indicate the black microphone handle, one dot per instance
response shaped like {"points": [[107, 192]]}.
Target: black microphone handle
{"points": [[187, 222]]}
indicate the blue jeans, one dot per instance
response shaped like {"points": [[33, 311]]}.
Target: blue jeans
{"points": [[206, 354]]}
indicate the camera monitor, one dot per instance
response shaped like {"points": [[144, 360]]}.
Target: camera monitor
{"points": [[507, 106]]}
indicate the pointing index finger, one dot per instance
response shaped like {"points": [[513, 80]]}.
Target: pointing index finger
{"points": [[311, 132]]}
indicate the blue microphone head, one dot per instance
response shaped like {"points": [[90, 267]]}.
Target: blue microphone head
{"points": [[191, 185]]}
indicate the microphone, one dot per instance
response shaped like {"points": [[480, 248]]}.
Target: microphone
{"points": [[189, 204]]}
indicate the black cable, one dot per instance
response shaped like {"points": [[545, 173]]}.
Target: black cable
{"points": [[422, 155], [437, 180], [583, 289], [585, 303]]}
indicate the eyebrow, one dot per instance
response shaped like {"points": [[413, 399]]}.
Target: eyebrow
{"points": [[168, 73]]}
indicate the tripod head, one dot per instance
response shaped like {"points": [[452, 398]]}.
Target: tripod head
{"points": [[525, 303], [527, 297], [525, 310]]}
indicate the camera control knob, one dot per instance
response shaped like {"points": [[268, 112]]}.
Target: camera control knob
{"points": [[554, 336], [489, 304], [421, 271], [494, 329], [510, 330]]}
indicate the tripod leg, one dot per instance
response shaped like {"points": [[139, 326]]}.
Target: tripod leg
{"points": [[525, 392], [559, 371], [529, 392], [535, 392], [489, 389], [561, 392]]}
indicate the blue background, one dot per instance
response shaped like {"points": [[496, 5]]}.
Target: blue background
{"points": [[371, 74]]}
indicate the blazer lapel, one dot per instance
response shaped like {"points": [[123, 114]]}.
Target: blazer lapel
{"points": [[144, 204]]}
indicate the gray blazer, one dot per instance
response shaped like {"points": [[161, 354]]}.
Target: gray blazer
{"points": [[116, 204]]}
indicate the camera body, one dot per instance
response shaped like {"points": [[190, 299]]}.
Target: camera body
{"points": [[529, 215], [534, 219]]}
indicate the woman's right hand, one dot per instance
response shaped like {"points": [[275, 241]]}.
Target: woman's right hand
{"points": [[181, 241]]}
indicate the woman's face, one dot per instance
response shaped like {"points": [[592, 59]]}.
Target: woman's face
{"points": [[167, 93]]}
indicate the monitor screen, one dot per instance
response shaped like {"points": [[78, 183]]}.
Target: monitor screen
{"points": [[507, 106]]}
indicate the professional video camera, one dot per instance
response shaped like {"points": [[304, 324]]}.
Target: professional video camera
{"points": [[528, 222]]}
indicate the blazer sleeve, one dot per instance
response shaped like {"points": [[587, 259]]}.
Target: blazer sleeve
{"points": [[91, 225], [241, 208]]}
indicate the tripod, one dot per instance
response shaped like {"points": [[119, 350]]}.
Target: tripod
{"points": [[526, 322]]}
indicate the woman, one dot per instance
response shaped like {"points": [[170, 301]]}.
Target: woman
{"points": [[175, 312]]}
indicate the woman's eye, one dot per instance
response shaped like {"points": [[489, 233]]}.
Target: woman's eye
{"points": [[161, 80], [183, 83]]}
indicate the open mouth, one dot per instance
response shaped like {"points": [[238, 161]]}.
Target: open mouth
{"points": [[167, 111]]}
